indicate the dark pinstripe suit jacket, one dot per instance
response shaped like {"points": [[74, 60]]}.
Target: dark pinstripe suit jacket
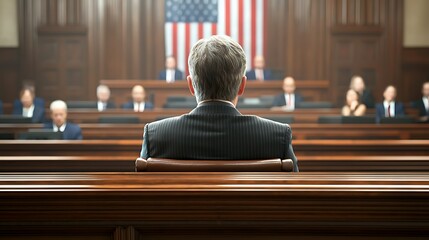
{"points": [[214, 131]]}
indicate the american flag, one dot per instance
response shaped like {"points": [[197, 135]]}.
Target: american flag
{"points": [[187, 21]]}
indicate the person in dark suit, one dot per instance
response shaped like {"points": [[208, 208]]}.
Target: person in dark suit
{"points": [[215, 129], [29, 108], [389, 107], [138, 104], [365, 96], [289, 99], [103, 96], [1, 107], [259, 73], [28, 84], [59, 122], [171, 73], [423, 104]]}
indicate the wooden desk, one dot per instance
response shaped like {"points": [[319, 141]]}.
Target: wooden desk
{"points": [[92, 131], [312, 90], [133, 147], [214, 205]]}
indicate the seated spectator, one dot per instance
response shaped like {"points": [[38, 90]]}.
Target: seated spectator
{"points": [[59, 122], [103, 96], [365, 96], [259, 73], [29, 108], [389, 107], [1, 107], [215, 129], [353, 107], [138, 103], [289, 99], [17, 104], [171, 73], [423, 104]]}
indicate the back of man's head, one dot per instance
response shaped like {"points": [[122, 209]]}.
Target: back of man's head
{"points": [[217, 66]]}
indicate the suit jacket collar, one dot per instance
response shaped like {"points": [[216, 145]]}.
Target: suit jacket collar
{"points": [[215, 108]]}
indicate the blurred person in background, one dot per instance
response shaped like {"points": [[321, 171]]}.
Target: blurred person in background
{"points": [[365, 96], [389, 107], [289, 99], [353, 107], [171, 73], [103, 96], [138, 104], [59, 122], [28, 108]]}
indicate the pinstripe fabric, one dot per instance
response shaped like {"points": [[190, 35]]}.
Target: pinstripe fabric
{"points": [[217, 131]]}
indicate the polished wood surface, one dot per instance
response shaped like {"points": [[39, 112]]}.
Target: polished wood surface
{"points": [[133, 147], [104, 163], [312, 90], [219, 205], [94, 131]]}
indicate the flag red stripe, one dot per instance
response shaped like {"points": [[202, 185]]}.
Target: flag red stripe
{"points": [[214, 29], [253, 26], [264, 32], [240, 22], [187, 45], [228, 17], [200, 30], [175, 40]]}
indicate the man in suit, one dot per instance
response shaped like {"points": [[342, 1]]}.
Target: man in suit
{"points": [[423, 104], [389, 107], [138, 104], [29, 108], [215, 129], [59, 122], [17, 104], [103, 96], [171, 73], [288, 100], [259, 72]]}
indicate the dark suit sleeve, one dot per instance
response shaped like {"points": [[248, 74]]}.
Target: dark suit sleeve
{"points": [[277, 102], [400, 110], [379, 112], [1, 107], [289, 151], [38, 114], [78, 134], [144, 152]]}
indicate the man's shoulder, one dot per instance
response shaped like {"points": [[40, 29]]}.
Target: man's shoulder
{"points": [[73, 126]]}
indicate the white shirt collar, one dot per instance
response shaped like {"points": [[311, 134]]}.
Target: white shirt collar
{"points": [[217, 100], [101, 106], [28, 112], [426, 102], [139, 107], [61, 128]]}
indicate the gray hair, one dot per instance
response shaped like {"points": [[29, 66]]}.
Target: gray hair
{"points": [[216, 65], [102, 88], [58, 104]]}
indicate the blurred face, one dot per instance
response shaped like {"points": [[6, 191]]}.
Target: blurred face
{"points": [[138, 94], [27, 99], [170, 63], [358, 84], [351, 96], [289, 85], [425, 90], [390, 94], [103, 96], [59, 116], [259, 62]]}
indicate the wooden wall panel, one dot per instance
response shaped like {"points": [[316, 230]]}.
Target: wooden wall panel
{"points": [[304, 38], [9, 73], [415, 70]]}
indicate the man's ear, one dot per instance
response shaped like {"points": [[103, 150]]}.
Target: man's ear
{"points": [[242, 86], [191, 88]]}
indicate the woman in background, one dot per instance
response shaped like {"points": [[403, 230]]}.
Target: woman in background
{"points": [[353, 106], [357, 83]]}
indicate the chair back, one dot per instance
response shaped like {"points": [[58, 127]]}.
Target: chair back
{"points": [[172, 165]]}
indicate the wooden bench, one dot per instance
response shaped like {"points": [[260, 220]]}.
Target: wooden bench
{"points": [[93, 131], [133, 147], [103, 163], [124, 206]]}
